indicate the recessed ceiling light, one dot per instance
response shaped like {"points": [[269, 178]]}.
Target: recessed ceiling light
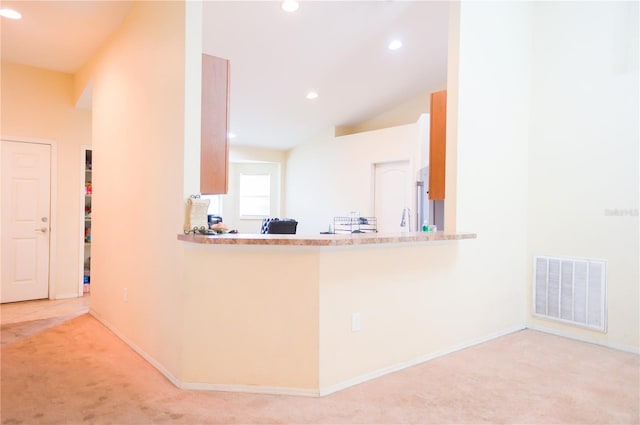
{"points": [[290, 5], [395, 45], [312, 95], [232, 135], [10, 13]]}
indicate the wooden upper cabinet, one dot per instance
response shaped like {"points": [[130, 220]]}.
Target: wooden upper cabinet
{"points": [[437, 145], [214, 146]]}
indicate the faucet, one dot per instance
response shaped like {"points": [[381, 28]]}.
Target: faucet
{"points": [[406, 217]]}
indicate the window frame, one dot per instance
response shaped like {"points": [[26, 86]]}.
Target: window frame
{"points": [[268, 176]]}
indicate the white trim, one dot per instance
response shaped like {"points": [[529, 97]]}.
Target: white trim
{"points": [[350, 382], [203, 386], [251, 389], [66, 296], [298, 391], [137, 349], [568, 335], [53, 220], [81, 225], [53, 196], [410, 363]]}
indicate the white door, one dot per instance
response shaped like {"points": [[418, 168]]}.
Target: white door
{"points": [[392, 193], [26, 199]]}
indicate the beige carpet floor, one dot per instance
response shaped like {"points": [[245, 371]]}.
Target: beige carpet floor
{"points": [[75, 371]]}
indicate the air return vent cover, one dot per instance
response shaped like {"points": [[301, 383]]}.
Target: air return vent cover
{"points": [[571, 290]]}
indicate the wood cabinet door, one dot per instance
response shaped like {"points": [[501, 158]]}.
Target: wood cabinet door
{"points": [[214, 146], [437, 145]]}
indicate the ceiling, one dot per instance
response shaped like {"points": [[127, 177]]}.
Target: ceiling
{"points": [[336, 48], [59, 35]]}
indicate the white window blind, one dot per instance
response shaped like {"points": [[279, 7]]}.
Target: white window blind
{"points": [[255, 195]]}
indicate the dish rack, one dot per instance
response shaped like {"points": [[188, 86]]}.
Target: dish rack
{"points": [[355, 225]]}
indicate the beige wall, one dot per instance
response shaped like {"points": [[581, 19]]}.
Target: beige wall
{"points": [[333, 176], [138, 132], [256, 154], [284, 323], [251, 317], [491, 101], [457, 293], [434, 299], [445, 296], [413, 303], [584, 152], [38, 103], [407, 112]]}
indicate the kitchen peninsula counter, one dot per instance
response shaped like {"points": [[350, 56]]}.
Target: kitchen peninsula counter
{"points": [[312, 314], [324, 239]]}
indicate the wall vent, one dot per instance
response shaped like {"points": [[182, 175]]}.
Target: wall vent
{"points": [[571, 290]]}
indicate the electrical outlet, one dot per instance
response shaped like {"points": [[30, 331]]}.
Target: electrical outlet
{"points": [[355, 322], [126, 294]]}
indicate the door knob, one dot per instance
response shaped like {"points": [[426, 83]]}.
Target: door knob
{"points": [[42, 229]]}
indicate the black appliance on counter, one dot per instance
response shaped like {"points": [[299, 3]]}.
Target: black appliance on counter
{"points": [[213, 219]]}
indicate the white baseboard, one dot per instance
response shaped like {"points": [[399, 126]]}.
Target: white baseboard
{"points": [[138, 350], [204, 386], [394, 368], [350, 382], [297, 391], [251, 389], [620, 347], [66, 296]]}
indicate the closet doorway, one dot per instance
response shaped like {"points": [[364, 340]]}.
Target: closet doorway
{"points": [[86, 193]]}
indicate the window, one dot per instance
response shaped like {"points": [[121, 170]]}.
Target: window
{"points": [[255, 195], [215, 204]]}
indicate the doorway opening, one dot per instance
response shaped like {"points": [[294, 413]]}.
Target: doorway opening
{"points": [[86, 192]]}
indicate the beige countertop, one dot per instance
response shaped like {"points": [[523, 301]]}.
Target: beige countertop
{"points": [[324, 239]]}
